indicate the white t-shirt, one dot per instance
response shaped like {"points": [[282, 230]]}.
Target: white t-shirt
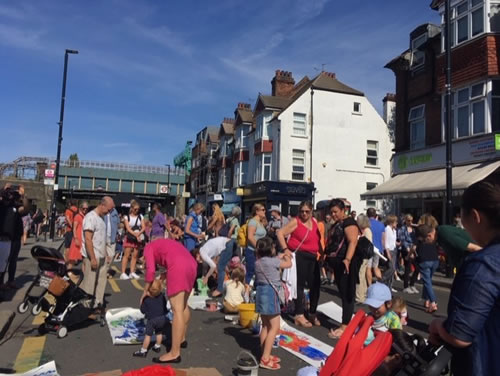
{"points": [[95, 223], [213, 248], [390, 238], [234, 292]]}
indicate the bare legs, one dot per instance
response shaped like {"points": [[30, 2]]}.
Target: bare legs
{"points": [[270, 329], [126, 254], [180, 323]]}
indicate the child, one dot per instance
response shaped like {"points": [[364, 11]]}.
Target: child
{"points": [[428, 262], [399, 307], [267, 281], [154, 308], [379, 300], [234, 290]]}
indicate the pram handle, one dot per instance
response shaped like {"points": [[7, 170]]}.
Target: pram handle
{"points": [[436, 366], [77, 272]]}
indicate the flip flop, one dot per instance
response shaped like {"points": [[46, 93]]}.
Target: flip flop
{"points": [[336, 334]]}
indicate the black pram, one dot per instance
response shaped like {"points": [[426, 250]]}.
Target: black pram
{"points": [[72, 305]]}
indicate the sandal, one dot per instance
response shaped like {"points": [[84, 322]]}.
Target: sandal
{"points": [[432, 308], [427, 304], [302, 321], [314, 320], [269, 364], [335, 334], [274, 358]]}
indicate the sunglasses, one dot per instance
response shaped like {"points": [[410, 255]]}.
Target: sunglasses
{"points": [[85, 208]]}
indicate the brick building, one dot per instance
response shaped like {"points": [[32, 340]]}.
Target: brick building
{"points": [[418, 183]]}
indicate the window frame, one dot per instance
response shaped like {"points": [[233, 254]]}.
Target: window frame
{"points": [[458, 106], [303, 165], [295, 128], [415, 50], [455, 17], [368, 156], [413, 122]]}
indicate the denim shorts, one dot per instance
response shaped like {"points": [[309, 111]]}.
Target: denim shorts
{"points": [[267, 300]]}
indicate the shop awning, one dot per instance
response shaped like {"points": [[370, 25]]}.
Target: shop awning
{"points": [[431, 183]]}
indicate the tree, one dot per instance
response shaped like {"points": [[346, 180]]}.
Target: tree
{"points": [[73, 160]]}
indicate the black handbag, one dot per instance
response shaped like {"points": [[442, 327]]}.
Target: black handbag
{"points": [[364, 248], [131, 238]]}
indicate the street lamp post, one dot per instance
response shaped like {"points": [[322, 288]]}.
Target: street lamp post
{"points": [[59, 142], [447, 120]]}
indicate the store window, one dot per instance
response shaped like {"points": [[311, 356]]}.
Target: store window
{"points": [[299, 124], [372, 153], [298, 164], [416, 120]]}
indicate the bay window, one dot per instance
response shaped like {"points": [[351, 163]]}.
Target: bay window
{"points": [[467, 21], [263, 167]]}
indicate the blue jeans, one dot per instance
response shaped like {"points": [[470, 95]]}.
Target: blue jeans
{"points": [[224, 259], [427, 269], [250, 264]]}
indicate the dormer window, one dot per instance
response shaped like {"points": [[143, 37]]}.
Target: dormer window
{"points": [[467, 21], [417, 55]]}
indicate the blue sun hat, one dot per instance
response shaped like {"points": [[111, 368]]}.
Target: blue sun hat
{"points": [[377, 295]]}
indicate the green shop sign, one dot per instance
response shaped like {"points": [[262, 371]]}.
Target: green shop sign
{"points": [[497, 141], [404, 161]]}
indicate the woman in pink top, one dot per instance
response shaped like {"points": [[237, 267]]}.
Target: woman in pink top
{"points": [[305, 241], [180, 274]]}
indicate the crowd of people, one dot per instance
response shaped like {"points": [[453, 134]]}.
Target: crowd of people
{"points": [[281, 262]]}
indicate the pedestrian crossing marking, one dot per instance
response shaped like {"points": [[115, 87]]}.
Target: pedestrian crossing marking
{"points": [[39, 319], [30, 354], [114, 285], [136, 284]]}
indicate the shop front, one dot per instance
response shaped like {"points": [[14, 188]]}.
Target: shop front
{"points": [[286, 195], [419, 184], [226, 200]]}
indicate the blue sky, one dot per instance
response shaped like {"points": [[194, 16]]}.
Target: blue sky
{"points": [[152, 73]]}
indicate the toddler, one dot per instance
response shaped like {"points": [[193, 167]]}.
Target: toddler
{"points": [[399, 307], [154, 307], [268, 283], [379, 300], [234, 291]]}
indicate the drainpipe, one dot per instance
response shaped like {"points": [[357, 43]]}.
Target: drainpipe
{"points": [[311, 145]]}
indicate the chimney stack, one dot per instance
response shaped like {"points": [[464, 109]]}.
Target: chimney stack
{"points": [[389, 106], [282, 84], [244, 106]]}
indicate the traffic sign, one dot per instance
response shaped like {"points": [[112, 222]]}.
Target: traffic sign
{"points": [[164, 189]]}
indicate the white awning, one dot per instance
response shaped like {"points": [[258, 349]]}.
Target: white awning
{"points": [[431, 183]]}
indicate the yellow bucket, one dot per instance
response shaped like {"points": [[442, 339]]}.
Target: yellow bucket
{"points": [[247, 314]]}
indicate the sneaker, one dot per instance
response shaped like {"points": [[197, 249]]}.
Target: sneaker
{"points": [[140, 354], [124, 276], [134, 276], [393, 289], [397, 277], [408, 290], [414, 289]]}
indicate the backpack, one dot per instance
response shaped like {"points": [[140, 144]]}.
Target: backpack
{"points": [[242, 238], [364, 248]]}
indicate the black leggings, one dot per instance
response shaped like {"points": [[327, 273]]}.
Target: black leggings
{"points": [[410, 281], [307, 276], [346, 283]]}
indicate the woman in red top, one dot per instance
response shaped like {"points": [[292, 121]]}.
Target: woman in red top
{"points": [[305, 241]]}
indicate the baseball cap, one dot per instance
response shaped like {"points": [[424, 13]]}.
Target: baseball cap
{"points": [[377, 295]]}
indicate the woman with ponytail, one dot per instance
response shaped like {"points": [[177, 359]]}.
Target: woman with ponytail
{"points": [[472, 329]]}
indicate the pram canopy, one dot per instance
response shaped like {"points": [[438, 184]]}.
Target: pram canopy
{"points": [[49, 259]]}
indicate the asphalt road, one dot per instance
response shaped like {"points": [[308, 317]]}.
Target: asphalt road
{"points": [[213, 342]]}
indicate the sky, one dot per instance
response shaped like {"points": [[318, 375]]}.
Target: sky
{"points": [[150, 74]]}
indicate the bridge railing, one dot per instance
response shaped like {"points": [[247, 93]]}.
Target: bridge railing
{"points": [[130, 167]]}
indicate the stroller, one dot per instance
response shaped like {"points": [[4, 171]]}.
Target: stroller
{"points": [[72, 305]]}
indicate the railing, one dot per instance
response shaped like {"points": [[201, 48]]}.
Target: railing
{"points": [[129, 167]]}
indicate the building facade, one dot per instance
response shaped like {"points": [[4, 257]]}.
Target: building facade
{"points": [[418, 184]]}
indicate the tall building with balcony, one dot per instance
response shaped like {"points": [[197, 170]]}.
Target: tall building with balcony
{"points": [[204, 163], [419, 183]]}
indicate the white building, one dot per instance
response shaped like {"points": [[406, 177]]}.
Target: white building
{"points": [[320, 131]]}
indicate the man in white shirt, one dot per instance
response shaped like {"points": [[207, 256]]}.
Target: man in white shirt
{"points": [[96, 259], [211, 250]]}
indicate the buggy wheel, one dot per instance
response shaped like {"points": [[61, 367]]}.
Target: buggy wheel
{"points": [[62, 332], [37, 308], [23, 307]]}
